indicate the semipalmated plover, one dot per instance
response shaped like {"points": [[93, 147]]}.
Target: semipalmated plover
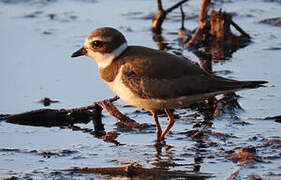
{"points": [[151, 79]]}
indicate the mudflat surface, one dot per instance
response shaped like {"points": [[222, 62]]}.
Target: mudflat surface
{"points": [[36, 40]]}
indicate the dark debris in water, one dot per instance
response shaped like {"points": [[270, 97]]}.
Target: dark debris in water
{"points": [[242, 155], [33, 14], [139, 15], [44, 153], [127, 28], [45, 100], [49, 118], [29, 2], [273, 141], [46, 32], [110, 137], [63, 17], [88, 1], [202, 138], [275, 1], [194, 133], [272, 48], [275, 118], [54, 16], [12, 178], [135, 170], [272, 21], [143, 127]]}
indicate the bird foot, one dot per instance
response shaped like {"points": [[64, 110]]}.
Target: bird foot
{"points": [[160, 142]]}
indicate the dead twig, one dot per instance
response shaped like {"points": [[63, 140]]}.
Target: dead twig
{"points": [[175, 6], [182, 18], [238, 28], [159, 5], [276, 118], [202, 22], [234, 173], [113, 111], [90, 107], [200, 132], [161, 15]]}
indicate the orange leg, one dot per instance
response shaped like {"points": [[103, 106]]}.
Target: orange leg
{"points": [[171, 122], [158, 127]]}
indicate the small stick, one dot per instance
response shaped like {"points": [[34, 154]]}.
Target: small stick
{"points": [[234, 173], [200, 132], [159, 5], [202, 20], [93, 106], [182, 18], [108, 106], [113, 111], [161, 15], [175, 6], [238, 28]]}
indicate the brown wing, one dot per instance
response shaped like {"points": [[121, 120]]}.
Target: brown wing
{"points": [[169, 76]]}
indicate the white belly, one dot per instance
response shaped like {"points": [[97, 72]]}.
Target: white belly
{"points": [[129, 97], [149, 104]]}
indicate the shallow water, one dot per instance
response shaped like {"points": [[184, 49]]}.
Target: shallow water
{"points": [[37, 39]]}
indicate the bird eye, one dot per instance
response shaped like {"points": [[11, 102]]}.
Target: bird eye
{"points": [[97, 44]]}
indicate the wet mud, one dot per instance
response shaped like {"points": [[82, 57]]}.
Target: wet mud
{"points": [[233, 136]]}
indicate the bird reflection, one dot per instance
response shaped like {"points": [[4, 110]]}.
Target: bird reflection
{"points": [[165, 158]]}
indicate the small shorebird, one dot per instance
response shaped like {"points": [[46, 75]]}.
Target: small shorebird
{"points": [[151, 79]]}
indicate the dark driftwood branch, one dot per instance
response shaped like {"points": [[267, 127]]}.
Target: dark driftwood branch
{"points": [[238, 28], [182, 18], [108, 106], [159, 5], [134, 170], [161, 15], [217, 27], [204, 8], [64, 117], [48, 118]]}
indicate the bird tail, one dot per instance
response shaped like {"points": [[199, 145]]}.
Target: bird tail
{"points": [[253, 84]]}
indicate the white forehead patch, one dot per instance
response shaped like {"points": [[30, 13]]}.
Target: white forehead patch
{"points": [[105, 59]]}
